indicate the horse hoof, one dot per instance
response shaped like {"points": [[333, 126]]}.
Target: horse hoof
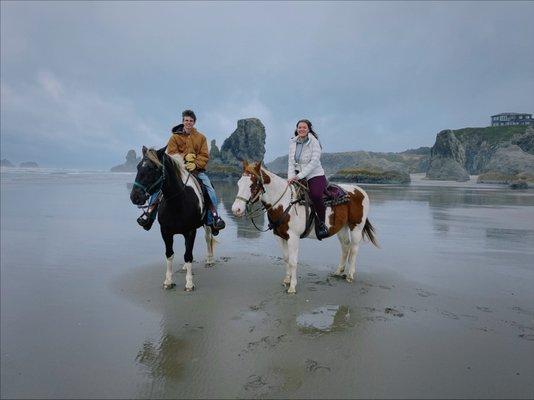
{"points": [[291, 291], [209, 264], [340, 276], [189, 289], [168, 286], [349, 279]]}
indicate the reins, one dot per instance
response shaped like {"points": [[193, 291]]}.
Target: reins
{"points": [[251, 214]]}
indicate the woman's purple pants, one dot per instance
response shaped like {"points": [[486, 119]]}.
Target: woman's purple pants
{"points": [[317, 185]]}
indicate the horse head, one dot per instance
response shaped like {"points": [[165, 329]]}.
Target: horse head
{"points": [[149, 178], [250, 187]]}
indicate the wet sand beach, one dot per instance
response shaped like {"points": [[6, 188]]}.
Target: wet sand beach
{"points": [[445, 308]]}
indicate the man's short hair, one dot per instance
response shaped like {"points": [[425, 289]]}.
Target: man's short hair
{"points": [[189, 113]]}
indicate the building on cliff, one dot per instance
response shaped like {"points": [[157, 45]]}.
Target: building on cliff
{"points": [[511, 119]]}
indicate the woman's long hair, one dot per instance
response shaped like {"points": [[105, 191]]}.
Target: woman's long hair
{"points": [[310, 128]]}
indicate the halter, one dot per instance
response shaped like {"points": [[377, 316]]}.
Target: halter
{"points": [[159, 182], [251, 214]]}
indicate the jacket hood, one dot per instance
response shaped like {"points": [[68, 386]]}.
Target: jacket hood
{"points": [[178, 129]]}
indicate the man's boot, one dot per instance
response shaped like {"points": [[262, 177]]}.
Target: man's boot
{"points": [[147, 219], [217, 224]]}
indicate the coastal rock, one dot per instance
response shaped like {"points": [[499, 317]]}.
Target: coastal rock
{"points": [[496, 153], [247, 142], [521, 184], [6, 163], [447, 158], [130, 165], [29, 164], [361, 175], [215, 153]]}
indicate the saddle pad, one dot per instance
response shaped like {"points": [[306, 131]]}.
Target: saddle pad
{"points": [[334, 194]]}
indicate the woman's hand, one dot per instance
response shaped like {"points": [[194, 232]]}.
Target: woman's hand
{"points": [[291, 180]]}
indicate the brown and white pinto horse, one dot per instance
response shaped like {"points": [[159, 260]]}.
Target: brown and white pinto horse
{"points": [[348, 220]]}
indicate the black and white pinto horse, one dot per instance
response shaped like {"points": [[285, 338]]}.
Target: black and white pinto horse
{"points": [[348, 221], [181, 209]]}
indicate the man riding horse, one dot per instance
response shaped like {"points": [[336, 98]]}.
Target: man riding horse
{"points": [[185, 139]]}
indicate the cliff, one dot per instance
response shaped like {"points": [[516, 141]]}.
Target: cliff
{"points": [[504, 151]]}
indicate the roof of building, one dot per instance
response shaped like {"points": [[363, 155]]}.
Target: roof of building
{"points": [[510, 113]]}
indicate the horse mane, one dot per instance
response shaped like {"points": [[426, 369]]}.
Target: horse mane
{"points": [[153, 156]]}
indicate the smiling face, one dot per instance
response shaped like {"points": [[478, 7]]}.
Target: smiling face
{"points": [[302, 130], [188, 122]]}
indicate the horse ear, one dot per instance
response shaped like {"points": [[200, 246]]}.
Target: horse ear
{"points": [[144, 150], [245, 164]]}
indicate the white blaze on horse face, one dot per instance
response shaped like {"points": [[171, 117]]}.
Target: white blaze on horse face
{"points": [[243, 191]]}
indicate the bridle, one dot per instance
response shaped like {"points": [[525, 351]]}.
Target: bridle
{"points": [[156, 185], [254, 197]]}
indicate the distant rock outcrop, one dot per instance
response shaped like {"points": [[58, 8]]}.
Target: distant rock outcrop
{"points": [[130, 165], [6, 163], [497, 154], [247, 142], [29, 164], [215, 153]]}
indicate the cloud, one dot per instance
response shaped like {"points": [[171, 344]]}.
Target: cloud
{"points": [[73, 118]]}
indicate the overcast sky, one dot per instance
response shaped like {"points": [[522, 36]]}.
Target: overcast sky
{"points": [[81, 83]]}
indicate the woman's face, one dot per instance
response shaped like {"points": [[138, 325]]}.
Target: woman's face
{"points": [[302, 129]]}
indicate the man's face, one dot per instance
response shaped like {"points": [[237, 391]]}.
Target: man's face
{"points": [[188, 122]]}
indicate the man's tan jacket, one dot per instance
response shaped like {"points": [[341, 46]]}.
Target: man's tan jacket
{"points": [[194, 142]]}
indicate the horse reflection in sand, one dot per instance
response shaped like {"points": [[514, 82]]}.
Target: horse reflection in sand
{"points": [[348, 220]]}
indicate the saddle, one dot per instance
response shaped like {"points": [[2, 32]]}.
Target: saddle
{"points": [[332, 196]]}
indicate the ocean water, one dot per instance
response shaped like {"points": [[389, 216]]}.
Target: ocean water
{"points": [[67, 236]]}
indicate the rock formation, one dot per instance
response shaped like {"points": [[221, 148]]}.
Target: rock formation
{"points": [[498, 154], [247, 142], [130, 165], [29, 164]]}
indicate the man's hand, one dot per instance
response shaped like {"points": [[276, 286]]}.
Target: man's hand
{"points": [[190, 166], [190, 157], [291, 180]]}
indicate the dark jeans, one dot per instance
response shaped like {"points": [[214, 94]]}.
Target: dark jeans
{"points": [[317, 185]]}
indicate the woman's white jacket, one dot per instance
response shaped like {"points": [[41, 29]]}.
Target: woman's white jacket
{"points": [[309, 164]]}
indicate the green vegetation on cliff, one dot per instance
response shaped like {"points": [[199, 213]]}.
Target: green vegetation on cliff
{"points": [[361, 175]]}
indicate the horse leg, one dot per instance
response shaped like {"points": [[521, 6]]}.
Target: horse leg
{"points": [[355, 238], [344, 240], [285, 254], [293, 254], [188, 259], [210, 244], [169, 254]]}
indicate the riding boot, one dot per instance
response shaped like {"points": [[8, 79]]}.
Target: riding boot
{"points": [[322, 231], [147, 219], [217, 223]]}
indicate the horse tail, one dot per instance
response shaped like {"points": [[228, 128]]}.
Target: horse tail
{"points": [[369, 232]]}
